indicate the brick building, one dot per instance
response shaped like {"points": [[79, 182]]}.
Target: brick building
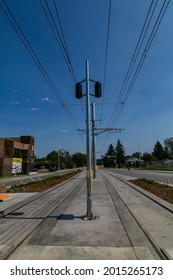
{"points": [[16, 155]]}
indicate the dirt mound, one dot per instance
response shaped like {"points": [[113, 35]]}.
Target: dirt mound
{"points": [[163, 191]]}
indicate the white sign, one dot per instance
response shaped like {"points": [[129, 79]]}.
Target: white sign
{"points": [[17, 166]]}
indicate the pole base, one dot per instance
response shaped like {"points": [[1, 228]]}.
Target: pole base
{"points": [[89, 218]]}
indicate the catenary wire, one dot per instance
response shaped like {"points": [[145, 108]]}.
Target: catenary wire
{"points": [[65, 44], [56, 33], [130, 69], [26, 43], [128, 74], [134, 57], [60, 38], [144, 55], [140, 64], [106, 55], [64, 40]]}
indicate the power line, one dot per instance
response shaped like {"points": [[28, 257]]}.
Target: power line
{"points": [[134, 58], [59, 39], [141, 61], [130, 68], [38, 63], [116, 114], [106, 54], [144, 55], [64, 40]]}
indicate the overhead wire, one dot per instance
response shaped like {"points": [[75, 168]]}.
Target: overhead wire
{"points": [[131, 65], [128, 73], [59, 37], [106, 55], [35, 58], [144, 55], [134, 57], [114, 118], [67, 51], [64, 40], [105, 63]]}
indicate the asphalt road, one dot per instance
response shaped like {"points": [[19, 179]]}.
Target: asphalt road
{"points": [[26, 178], [158, 176]]}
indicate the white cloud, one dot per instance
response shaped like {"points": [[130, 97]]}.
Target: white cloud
{"points": [[47, 99], [64, 131], [14, 103], [35, 109]]}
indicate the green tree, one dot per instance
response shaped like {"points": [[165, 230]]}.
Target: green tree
{"points": [[59, 158], [111, 151], [79, 159], [107, 161], [159, 152], [53, 156], [168, 142], [120, 154], [148, 157], [109, 158], [136, 155]]}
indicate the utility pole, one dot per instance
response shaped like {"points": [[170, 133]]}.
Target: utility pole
{"points": [[89, 215], [93, 141], [89, 175], [94, 134]]}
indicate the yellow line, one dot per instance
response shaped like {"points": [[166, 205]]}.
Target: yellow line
{"points": [[91, 182]]}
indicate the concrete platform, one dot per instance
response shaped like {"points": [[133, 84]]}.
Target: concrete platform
{"points": [[168, 253], [64, 235], [13, 199], [81, 253]]}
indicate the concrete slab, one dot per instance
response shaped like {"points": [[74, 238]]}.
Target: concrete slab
{"points": [[143, 253], [168, 253], [80, 253], [4, 250], [64, 235], [67, 229], [13, 199]]}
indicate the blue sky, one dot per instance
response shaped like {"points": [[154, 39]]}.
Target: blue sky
{"points": [[28, 105]]}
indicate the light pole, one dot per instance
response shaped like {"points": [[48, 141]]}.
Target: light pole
{"points": [[139, 155], [93, 141], [89, 215], [89, 175]]}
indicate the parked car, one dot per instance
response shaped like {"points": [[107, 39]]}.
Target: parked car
{"points": [[52, 168]]}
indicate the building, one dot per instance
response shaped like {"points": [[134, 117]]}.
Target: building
{"points": [[134, 162], [16, 155]]}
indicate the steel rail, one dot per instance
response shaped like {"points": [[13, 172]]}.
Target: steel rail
{"points": [[166, 205], [35, 211], [154, 245]]}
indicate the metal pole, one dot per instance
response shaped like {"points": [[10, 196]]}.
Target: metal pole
{"points": [[139, 155], [89, 175], [93, 141]]}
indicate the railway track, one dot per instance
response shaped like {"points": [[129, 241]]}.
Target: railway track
{"points": [[18, 221], [38, 222], [125, 210]]}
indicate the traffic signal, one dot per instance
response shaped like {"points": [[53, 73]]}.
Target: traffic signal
{"points": [[78, 90], [98, 89]]}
